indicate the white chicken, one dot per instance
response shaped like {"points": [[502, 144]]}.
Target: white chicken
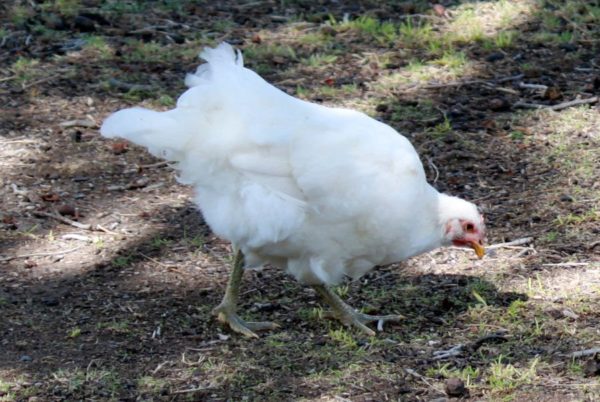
{"points": [[324, 193]]}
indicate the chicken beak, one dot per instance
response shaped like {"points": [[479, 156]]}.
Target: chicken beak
{"points": [[479, 249]]}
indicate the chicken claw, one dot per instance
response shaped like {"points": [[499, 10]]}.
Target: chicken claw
{"points": [[226, 315], [348, 316], [226, 310]]}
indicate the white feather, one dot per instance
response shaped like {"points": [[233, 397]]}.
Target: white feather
{"points": [[322, 192]]}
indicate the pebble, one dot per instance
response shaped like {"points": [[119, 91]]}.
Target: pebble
{"points": [[494, 57], [455, 387], [25, 358], [592, 368], [84, 24]]}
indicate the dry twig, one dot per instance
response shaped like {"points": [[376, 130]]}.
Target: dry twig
{"points": [[67, 221], [575, 102], [14, 257], [516, 242], [583, 353], [154, 165], [532, 86], [560, 106], [460, 348], [78, 123], [79, 225]]}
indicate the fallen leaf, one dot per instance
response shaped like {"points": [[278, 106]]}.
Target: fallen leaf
{"points": [[50, 197], [552, 93], [120, 147], [10, 222], [30, 264]]}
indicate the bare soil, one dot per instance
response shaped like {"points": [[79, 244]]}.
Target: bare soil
{"points": [[120, 309]]}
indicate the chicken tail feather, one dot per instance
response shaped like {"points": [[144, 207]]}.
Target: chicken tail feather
{"points": [[160, 132]]}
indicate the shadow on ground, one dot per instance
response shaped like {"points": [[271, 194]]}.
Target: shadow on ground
{"points": [[132, 318]]}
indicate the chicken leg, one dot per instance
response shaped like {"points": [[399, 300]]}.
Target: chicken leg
{"points": [[347, 315], [226, 310]]}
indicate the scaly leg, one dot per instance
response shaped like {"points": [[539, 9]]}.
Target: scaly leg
{"points": [[347, 315], [226, 311]]}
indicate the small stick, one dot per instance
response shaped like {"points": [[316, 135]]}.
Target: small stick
{"points": [[156, 261], [79, 225], [558, 107], [189, 390], [154, 165], [40, 81], [517, 242], [472, 82], [422, 378], [452, 84], [526, 105], [159, 367], [101, 228], [125, 86], [511, 78], [201, 358], [75, 236], [14, 257], [567, 264], [435, 169], [575, 102], [583, 353], [78, 123], [522, 253], [452, 352], [21, 141], [532, 86], [502, 89]]}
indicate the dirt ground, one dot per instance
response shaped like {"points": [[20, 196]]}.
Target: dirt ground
{"points": [[108, 273]]}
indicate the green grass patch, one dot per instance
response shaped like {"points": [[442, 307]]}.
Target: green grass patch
{"points": [[319, 60], [25, 69], [504, 376]]}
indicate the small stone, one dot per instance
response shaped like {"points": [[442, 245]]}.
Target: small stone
{"points": [[566, 198], [455, 387], [50, 301], [569, 314], [66, 209], [568, 47], [499, 104], [84, 24], [328, 30], [76, 136], [381, 108], [492, 57], [532, 72], [25, 358], [592, 368]]}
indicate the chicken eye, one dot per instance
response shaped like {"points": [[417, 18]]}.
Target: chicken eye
{"points": [[469, 227]]}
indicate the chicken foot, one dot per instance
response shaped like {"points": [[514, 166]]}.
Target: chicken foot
{"points": [[348, 316], [226, 310]]}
